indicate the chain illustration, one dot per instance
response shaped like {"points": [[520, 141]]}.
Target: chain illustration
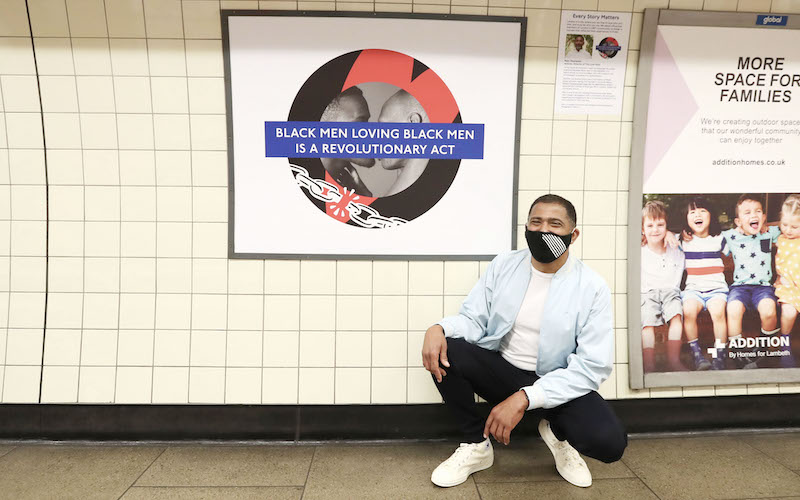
{"points": [[362, 215]]}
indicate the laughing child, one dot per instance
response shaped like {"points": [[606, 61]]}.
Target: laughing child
{"points": [[705, 288], [750, 243]]}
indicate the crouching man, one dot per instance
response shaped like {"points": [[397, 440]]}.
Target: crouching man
{"points": [[536, 331]]}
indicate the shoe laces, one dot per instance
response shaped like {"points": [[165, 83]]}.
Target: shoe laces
{"points": [[570, 455], [462, 453]]}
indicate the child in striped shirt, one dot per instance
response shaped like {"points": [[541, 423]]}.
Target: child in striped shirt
{"points": [[705, 288]]}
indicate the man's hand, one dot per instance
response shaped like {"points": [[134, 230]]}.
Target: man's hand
{"points": [[505, 416], [434, 348]]}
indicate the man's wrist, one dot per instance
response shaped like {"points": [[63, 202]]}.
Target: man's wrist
{"points": [[527, 401]]}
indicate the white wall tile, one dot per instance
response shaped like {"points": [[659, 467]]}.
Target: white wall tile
{"points": [[129, 57], [173, 168], [421, 387], [167, 57], [133, 385], [245, 312], [170, 385], [62, 347], [163, 18], [96, 384], [60, 384], [138, 239], [282, 312], [21, 384], [210, 204], [137, 310], [16, 56], [246, 276], [316, 386], [280, 385], [543, 25], [23, 347], [132, 94], [174, 239], [135, 348], [352, 386], [425, 278], [207, 95], [281, 277], [353, 348], [389, 349], [65, 274], [281, 348], [353, 312], [171, 131], [125, 18], [209, 132], [170, 95], [20, 93], [99, 348], [201, 19], [48, 17], [318, 277], [318, 312], [390, 278], [209, 312], [389, 312], [173, 311], [208, 348], [136, 167], [91, 56], [54, 56], [66, 203], [101, 274], [317, 348], [388, 385], [207, 385], [242, 385], [64, 310], [204, 58], [135, 131], [353, 277], [209, 168]]}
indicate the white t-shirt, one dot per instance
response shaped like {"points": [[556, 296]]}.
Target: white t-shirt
{"points": [[520, 346], [661, 270], [578, 54]]}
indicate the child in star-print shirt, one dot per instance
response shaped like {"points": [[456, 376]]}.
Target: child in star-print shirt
{"points": [[750, 244]]}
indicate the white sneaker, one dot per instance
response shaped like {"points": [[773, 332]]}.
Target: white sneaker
{"points": [[568, 461], [468, 458]]}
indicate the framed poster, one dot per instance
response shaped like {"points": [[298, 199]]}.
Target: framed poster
{"points": [[714, 231], [357, 135]]}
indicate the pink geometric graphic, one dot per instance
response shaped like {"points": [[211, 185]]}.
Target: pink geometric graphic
{"points": [[671, 106]]}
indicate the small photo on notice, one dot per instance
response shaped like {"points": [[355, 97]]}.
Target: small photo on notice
{"points": [[579, 46], [608, 47]]}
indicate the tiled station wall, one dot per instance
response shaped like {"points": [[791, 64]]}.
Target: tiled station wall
{"points": [[142, 304]]}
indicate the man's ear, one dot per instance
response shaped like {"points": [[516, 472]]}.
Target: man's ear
{"points": [[575, 233], [415, 118]]}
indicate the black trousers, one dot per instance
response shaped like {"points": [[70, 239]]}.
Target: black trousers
{"points": [[588, 423]]}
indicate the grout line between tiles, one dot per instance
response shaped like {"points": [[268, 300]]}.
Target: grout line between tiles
{"points": [[308, 473], [143, 472]]}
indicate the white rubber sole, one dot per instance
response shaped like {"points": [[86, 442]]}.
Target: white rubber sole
{"points": [[456, 482]]}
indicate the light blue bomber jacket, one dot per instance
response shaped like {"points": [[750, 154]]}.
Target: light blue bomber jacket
{"points": [[576, 339]]}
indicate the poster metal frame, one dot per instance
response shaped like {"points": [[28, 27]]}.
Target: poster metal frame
{"points": [[653, 18], [226, 14]]}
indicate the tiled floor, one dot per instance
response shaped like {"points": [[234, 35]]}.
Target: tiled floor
{"points": [[711, 466]]}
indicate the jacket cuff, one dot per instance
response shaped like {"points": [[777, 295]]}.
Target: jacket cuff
{"points": [[536, 396], [447, 327]]}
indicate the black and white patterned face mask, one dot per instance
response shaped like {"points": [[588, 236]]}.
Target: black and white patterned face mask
{"points": [[545, 246]]}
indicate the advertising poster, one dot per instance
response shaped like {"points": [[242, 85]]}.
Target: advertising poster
{"points": [[372, 136], [720, 211], [592, 54]]}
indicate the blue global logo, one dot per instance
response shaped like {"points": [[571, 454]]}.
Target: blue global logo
{"points": [[766, 20]]}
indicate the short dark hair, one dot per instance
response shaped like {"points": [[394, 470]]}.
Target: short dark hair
{"points": [[558, 200], [748, 197]]}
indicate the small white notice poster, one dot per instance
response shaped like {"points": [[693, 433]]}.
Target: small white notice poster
{"points": [[592, 54]]}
